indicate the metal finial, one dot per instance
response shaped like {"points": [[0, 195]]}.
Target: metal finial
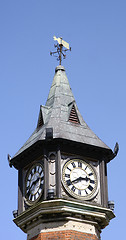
{"points": [[60, 51]]}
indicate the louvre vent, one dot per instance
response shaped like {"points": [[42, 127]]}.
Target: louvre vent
{"points": [[40, 120], [40, 123], [73, 116]]}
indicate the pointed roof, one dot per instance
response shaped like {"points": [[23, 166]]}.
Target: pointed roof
{"points": [[61, 113]]}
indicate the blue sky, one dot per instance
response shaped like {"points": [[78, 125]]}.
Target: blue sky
{"points": [[96, 69]]}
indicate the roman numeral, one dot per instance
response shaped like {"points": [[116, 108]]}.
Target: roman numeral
{"points": [[68, 182], [86, 192], [73, 164], [86, 168], [67, 175], [90, 174], [79, 192], [92, 181], [40, 172], [90, 187], [73, 189], [42, 178], [80, 164], [69, 169]]}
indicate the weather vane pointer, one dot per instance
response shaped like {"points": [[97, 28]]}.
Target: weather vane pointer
{"points": [[60, 50]]}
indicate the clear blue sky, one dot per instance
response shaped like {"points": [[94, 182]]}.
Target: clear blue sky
{"points": [[96, 69]]}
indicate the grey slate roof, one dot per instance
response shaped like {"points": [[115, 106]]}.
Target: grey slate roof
{"points": [[55, 114]]}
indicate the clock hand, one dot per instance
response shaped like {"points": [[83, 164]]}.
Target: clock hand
{"points": [[80, 178], [86, 178], [76, 180], [33, 183]]}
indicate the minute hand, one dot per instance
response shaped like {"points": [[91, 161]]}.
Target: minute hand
{"points": [[79, 179]]}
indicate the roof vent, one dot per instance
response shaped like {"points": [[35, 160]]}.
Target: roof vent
{"points": [[40, 123], [73, 116], [40, 120]]}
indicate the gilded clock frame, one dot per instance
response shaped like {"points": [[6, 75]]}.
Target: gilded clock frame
{"points": [[69, 191]]}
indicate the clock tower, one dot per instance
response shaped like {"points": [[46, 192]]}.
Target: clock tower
{"points": [[62, 172]]}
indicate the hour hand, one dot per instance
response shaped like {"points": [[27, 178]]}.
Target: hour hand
{"points": [[34, 183], [76, 180]]}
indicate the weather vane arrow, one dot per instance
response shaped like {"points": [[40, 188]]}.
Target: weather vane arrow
{"points": [[60, 50]]}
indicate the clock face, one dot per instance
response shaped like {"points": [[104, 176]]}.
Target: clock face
{"points": [[79, 179], [34, 183]]}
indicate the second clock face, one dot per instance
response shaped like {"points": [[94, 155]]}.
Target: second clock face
{"points": [[34, 183], [79, 179]]}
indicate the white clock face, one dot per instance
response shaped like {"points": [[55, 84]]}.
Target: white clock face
{"points": [[34, 183], [79, 179]]}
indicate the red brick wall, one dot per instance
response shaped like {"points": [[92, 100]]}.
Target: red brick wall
{"points": [[65, 235]]}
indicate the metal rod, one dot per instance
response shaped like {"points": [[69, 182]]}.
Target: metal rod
{"points": [[60, 56]]}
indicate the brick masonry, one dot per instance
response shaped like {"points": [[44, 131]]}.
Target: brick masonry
{"points": [[65, 235]]}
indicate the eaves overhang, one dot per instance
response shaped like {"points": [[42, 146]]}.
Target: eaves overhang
{"points": [[38, 149]]}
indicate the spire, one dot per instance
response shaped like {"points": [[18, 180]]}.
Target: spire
{"points": [[61, 113]]}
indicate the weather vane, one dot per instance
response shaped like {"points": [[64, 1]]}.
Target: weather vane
{"points": [[60, 51]]}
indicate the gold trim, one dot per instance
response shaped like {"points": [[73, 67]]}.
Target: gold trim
{"points": [[69, 190]]}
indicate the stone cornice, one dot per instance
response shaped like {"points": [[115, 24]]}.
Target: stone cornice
{"points": [[60, 210]]}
